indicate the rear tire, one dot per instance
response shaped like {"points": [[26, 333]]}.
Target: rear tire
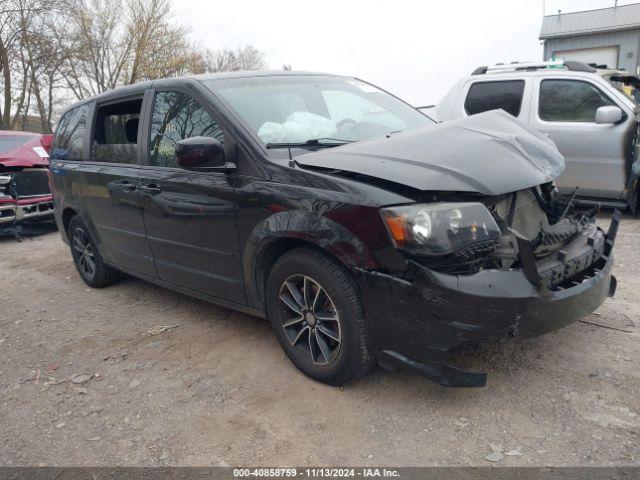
{"points": [[315, 311], [87, 258]]}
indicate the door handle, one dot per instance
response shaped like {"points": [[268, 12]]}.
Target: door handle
{"points": [[151, 189]]}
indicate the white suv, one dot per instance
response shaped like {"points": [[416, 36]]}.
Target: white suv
{"points": [[592, 120]]}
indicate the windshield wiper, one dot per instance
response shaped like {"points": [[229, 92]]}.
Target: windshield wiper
{"points": [[313, 142]]}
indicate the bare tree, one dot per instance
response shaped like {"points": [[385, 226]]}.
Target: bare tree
{"points": [[5, 109], [160, 48], [30, 59], [99, 49], [42, 53], [120, 42], [53, 50], [227, 60], [9, 35]]}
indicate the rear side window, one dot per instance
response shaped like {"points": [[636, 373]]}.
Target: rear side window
{"points": [[115, 137], [570, 101], [485, 96], [69, 138]]}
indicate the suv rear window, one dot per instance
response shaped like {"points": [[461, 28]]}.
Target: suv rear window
{"points": [[485, 96], [115, 138], [69, 138]]}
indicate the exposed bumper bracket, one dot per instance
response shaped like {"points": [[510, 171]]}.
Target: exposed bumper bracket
{"points": [[440, 373], [612, 232], [528, 261]]}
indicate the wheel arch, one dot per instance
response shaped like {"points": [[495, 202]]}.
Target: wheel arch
{"points": [[286, 231], [67, 214], [269, 255]]}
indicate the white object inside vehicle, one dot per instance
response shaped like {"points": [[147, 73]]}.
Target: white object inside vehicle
{"points": [[298, 127]]}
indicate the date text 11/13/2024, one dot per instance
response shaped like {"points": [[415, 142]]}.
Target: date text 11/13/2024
{"points": [[315, 472]]}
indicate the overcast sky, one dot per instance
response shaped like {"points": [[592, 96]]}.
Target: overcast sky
{"points": [[415, 49]]}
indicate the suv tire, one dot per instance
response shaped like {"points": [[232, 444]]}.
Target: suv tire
{"points": [[87, 258], [315, 311]]}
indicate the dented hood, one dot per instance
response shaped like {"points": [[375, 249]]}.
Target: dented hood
{"points": [[489, 153], [22, 150]]}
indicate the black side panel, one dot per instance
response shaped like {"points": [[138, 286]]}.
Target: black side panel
{"points": [[189, 216], [112, 202], [106, 192], [191, 226]]}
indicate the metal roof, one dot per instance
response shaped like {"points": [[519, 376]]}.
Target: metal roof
{"points": [[622, 17]]}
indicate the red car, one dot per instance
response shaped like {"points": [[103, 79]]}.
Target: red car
{"points": [[25, 194]]}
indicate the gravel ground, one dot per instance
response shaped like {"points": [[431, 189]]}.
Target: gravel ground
{"points": [[89, 377]]}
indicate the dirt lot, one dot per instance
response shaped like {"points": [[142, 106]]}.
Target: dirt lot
{"points": [[217, 390]]}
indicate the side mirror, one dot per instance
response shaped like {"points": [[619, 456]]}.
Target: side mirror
{"points": [[201, 153], [609, 114]]}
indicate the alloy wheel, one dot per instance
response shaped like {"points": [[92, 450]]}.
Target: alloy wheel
{"points": [[84, 251], [310, 320]]}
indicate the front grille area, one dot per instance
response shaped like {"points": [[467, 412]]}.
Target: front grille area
{"points": [[523, 198], [31, 183], [528, 218]]}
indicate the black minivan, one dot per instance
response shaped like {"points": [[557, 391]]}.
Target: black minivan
{"points": [[361, 229]]}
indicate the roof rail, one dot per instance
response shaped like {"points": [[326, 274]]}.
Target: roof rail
{"points": [[533, 66]]}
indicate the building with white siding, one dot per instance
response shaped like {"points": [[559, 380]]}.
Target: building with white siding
{"points": [[608, 36]]}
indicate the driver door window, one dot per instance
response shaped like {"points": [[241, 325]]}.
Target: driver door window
{"points": [[570, 101], [177, 116]]}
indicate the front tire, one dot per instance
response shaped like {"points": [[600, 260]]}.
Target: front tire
{"points": [[315, 311], [87, 258]]}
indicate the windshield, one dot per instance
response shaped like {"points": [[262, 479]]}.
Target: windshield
{"points": [[300, 108], [11, 142]]}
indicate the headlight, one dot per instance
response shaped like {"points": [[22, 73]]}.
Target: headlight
{"points": [[439, 228]]}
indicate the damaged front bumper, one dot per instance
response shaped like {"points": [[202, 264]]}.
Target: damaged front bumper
{"points": [[14, 212], [414, 321]]}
